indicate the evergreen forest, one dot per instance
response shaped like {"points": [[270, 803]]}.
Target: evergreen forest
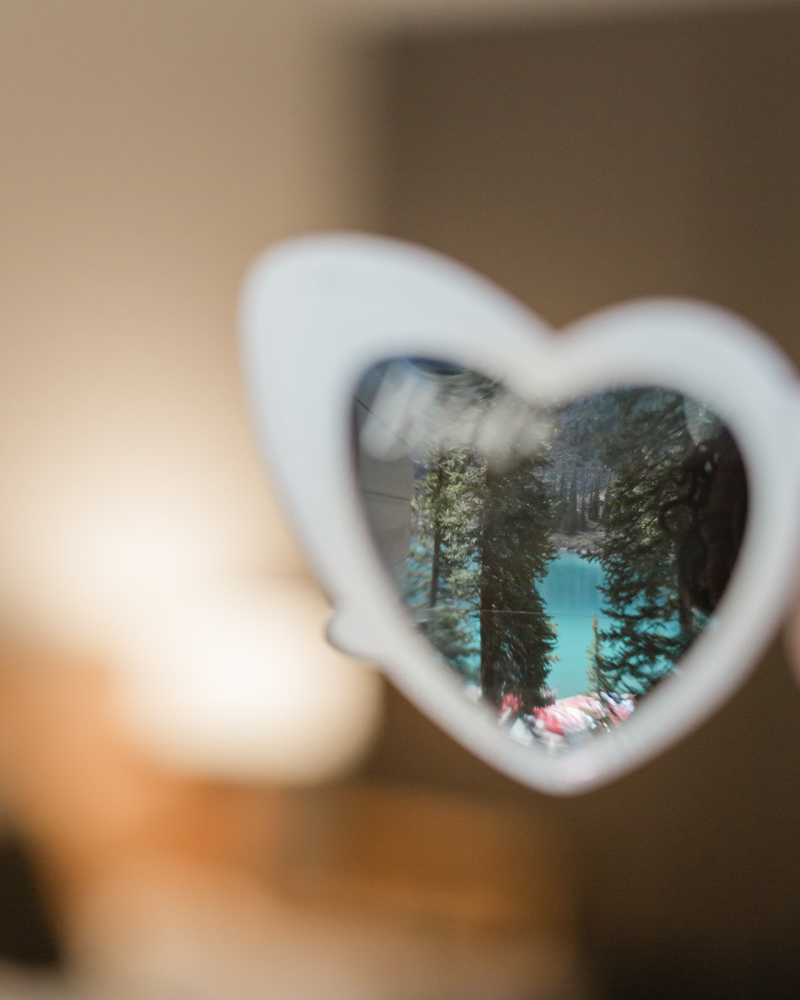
{"points": [[630, 479]]}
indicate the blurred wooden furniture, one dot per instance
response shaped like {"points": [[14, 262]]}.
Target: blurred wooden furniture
{"points": [[165, 883]]}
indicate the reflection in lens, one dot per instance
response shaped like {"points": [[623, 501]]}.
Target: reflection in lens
{"points": [[560, 560]]}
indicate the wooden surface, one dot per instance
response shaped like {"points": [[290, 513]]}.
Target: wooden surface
{"points": [[164, 885]]}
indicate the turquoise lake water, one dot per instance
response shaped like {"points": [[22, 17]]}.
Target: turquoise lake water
{"points": [[572, 598]]}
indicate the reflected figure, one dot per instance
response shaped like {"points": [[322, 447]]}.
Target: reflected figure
{"points": [[561, 560], [714, 509]]}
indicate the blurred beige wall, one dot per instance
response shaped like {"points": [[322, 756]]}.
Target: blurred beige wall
{"points": [[389, 15], [149, 151]]}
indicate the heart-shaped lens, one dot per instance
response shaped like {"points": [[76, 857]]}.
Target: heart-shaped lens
{"points": [[560, 559]]}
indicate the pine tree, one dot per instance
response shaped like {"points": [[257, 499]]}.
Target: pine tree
{"points": [[571, 522], [441, 583], [650, 627], [481, 543], [593, 507], [599, 673], [517, 637]]}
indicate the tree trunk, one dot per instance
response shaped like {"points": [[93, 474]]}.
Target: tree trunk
{"points": [[490, 667], [436, 560]]}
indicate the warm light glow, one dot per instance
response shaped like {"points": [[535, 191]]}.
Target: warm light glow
{"points": [[239, 682]]}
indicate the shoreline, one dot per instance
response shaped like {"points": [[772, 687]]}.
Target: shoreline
{"points": [[584, 543]]}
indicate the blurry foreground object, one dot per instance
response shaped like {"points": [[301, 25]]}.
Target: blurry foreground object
{"points": [[459, 474], [238, 682], [167, 886]]}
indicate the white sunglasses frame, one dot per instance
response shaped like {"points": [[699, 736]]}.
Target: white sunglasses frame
{"points": [[319, 311]]}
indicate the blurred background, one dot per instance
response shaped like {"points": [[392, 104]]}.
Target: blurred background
{"points": [[198, 799]]}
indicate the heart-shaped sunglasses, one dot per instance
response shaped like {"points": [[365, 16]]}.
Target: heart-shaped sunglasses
{"points": [[567, 549]]}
